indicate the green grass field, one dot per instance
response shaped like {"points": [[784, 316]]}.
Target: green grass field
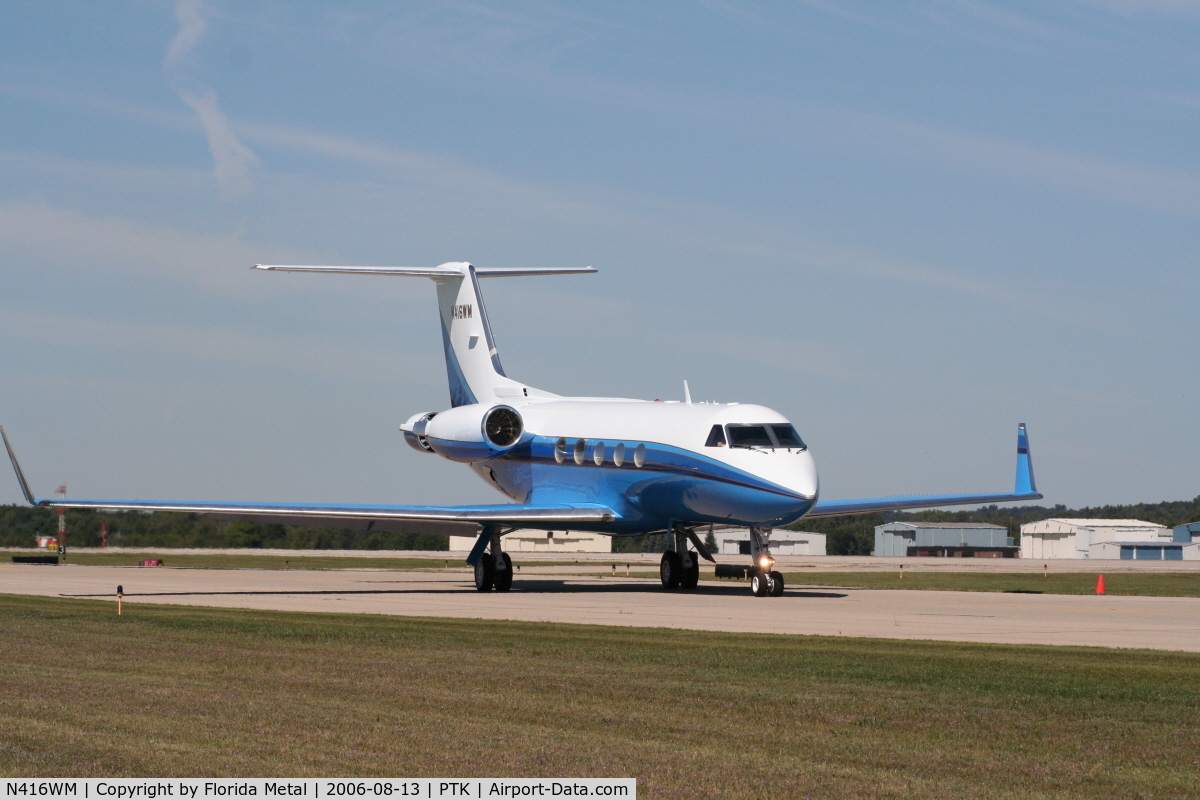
{"points": [[184, 691]]}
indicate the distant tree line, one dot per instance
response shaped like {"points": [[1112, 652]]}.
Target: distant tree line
{"points": [[19, 525], [847, 536]]}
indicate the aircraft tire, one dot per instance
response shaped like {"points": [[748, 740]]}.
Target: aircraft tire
{"points": [[776, 584], [485, 574], [759, 584], [504, 577], [691, 575], [670, 570]]}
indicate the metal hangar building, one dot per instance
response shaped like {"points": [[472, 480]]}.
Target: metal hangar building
{"points": [[944, 539]]}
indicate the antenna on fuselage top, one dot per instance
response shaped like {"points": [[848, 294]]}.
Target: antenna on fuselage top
{"points": [[687, 394]]}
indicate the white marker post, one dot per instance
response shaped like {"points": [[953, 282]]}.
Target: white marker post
{"points": [[120, 594]]}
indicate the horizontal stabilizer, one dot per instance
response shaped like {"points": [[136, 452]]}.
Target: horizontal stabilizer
{"points": [[474, 372], [445, 270]]}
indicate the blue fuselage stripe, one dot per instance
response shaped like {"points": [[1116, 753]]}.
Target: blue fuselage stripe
{"points": [[672, 483]]}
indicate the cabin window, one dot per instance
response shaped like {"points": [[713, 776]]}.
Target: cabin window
{"points": [[619, 454], [716, 437], [598, 454], [639, 455], [560, 450], [580, 450]]}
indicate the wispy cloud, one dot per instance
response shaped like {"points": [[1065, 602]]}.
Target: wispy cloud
{"points": [[192, 25], [233, 162], [1186, 9], [1099, 179], [300, 354]]}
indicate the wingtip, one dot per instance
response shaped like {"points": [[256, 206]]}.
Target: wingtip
{"points": [[12, 457]]}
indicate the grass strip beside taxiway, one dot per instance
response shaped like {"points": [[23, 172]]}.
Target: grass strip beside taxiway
{"points": [[188, 691]]}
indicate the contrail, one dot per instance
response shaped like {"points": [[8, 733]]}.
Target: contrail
{"points": [[233, 162]]}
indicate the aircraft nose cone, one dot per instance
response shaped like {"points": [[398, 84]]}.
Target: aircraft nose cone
{"points": [[794, 471], [803, 475]]}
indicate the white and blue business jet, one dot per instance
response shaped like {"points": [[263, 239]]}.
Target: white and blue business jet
{"points": [[611, 465]]}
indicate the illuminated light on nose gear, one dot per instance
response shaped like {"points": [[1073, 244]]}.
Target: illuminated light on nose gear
{"points": [[766, 562]]}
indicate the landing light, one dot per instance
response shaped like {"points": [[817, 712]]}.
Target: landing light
{"points": [[765, 562]]}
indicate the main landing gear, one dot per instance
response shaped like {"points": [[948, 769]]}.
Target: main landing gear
{"points": [[679, 571], [680, 567], [493, 569]]}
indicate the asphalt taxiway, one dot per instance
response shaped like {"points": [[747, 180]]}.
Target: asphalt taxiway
{"points": [[1161, 623]]}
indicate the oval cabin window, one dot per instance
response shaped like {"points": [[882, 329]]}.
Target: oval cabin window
{"points": [[598, 454], [560, 450], [580, 450], [619, 454], [639, 455]]}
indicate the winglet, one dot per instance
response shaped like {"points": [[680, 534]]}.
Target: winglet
{"points": [[1025, 482], [17, 468]]}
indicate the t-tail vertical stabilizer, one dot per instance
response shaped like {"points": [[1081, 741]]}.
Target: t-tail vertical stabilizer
{"points": [[472, 361], [1025, 483]]}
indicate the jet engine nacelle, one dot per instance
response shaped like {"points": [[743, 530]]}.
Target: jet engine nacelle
{"points": [[414, 431], [473, 432]]}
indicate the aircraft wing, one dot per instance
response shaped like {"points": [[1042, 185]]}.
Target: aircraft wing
{"points": [[1025, 489], [442, 520]]}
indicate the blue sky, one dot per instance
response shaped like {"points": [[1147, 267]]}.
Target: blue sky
{"points": [[908, 226]]}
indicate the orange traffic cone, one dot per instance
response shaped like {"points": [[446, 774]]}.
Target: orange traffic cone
{"points": [[1100, 585]]}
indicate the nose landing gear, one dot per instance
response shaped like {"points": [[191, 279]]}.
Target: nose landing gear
{"points": [[764, 581]]}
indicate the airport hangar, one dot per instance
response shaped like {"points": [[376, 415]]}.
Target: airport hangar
{"points": [[1109, 538], [527, 540], [944, 539], [736, 541]]}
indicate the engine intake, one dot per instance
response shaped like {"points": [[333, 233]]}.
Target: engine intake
{"points": [[502, 426]]}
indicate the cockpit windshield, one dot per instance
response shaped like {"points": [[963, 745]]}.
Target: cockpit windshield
{"points": [[764, 436], [787, 437], [749, 436]]}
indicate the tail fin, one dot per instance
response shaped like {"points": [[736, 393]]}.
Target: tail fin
{"points": [[1025, 483], [472, 362]]}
